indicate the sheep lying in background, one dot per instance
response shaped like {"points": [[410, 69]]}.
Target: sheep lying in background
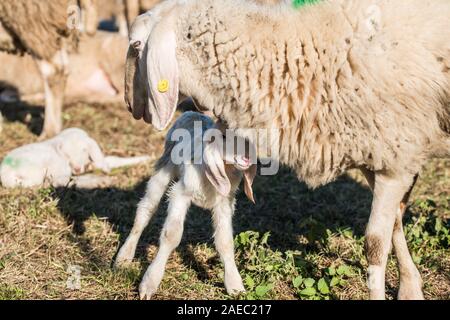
{"points": [[200, 184], [40, 28], [348, 84], [55, 161]]}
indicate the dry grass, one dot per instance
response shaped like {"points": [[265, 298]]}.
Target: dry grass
{"points": [[44, 232]]}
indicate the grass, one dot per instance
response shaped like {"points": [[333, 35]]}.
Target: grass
{"points": [[294, 243]]}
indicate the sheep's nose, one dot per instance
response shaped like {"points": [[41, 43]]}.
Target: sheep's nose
{"points": [[77, 170]]}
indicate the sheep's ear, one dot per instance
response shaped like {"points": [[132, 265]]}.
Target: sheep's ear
{"points": [[215, 169], [249, 177], [135, 87], [163, 76]]}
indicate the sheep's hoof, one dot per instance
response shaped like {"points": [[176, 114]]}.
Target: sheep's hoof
{"points": [[47, 134], [410, 293], [43, 136], [410, 286]]}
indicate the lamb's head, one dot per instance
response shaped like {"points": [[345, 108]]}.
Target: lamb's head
{"points": [[81, 151], [224, 151]]}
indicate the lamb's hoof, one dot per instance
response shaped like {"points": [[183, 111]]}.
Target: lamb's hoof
{"points": [[125, 257], [122, 262], [236, 291], [235, 288], [147, 290]]}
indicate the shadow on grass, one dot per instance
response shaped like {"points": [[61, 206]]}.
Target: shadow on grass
{"points": [[19, 111], [285, 207]]}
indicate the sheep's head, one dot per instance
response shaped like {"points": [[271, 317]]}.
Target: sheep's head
{"points": [[152, 78]]}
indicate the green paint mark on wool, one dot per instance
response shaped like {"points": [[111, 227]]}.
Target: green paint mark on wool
{"points": [[11, 162], [300, 3]]}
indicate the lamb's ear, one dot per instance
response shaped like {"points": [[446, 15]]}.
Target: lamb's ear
{"points": [[163, 75], [215, 169], [97, 156], [60, 150], [249, 177]]}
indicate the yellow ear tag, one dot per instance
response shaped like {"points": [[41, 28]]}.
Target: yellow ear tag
{"points": [[163, 86]]}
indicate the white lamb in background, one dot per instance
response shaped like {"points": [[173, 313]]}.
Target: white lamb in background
{"points": [[54, 161], [211, 185]]}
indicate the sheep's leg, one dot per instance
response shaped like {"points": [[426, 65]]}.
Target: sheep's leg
{"points": [[55, 77], [121, 17], [410, 279], [156, 188], [370, 177], [388, 193], [89, 16], [222, 217], [132, 8], [169, 241]]}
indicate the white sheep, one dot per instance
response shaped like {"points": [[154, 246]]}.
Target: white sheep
{"points": [[54, 161], [201, 184], [347, 84], [41, 29]]}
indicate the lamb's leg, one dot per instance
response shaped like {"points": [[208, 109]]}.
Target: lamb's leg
{"points": [[55, 77], [118, 162], [169, 241], [156, 188], [223, 239], [410, 279], [388, 193]]}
